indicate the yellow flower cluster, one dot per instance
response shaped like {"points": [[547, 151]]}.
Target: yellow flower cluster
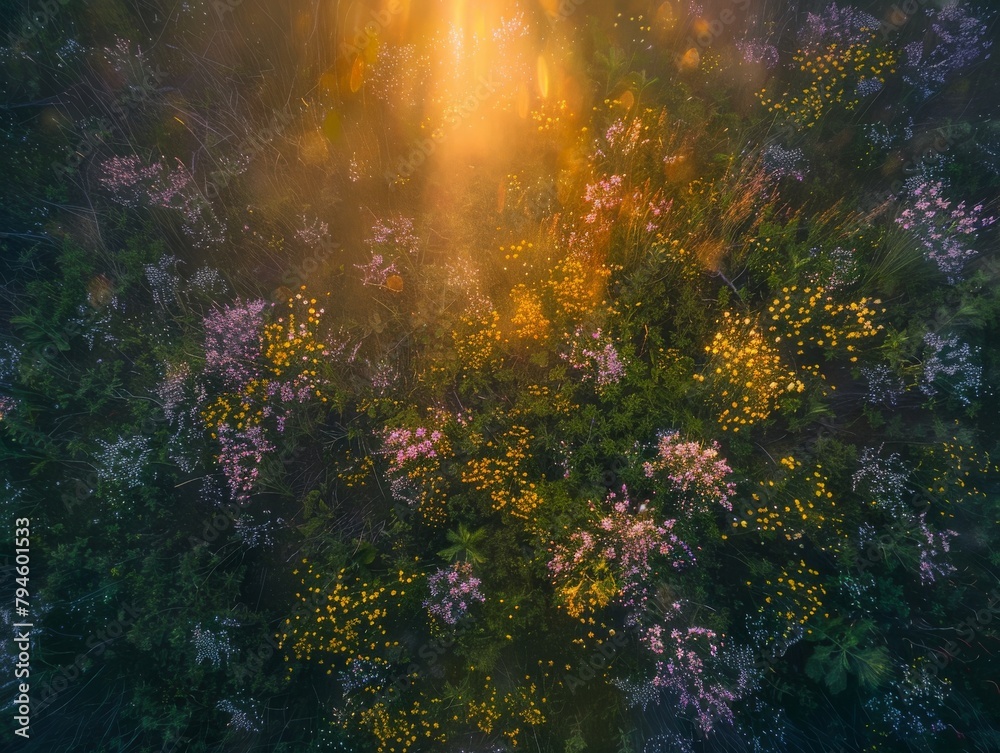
{"points": [[477, 339], [578, 285], [291, 342], [521, 257], [506, 714], [809, 316], [433, 496], [799, 503], [956, 468], [587, 589], [227, 405], [346, 623], [510, 186], [355, 472], [832, 76], [545, 404], [797, 592], [528, 318], [402, 730], [424, 472], [746, 373], [484, 714], [503, 476], [673, 252], [550, 115]]}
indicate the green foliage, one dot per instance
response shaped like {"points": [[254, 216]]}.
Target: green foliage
{"points": [[849, 654]]}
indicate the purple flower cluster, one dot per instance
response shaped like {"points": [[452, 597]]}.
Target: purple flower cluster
{"points": [[603, 196], [123, 462], [362, 673], [284, 394], [882, 481], [163, 280], [130, 182], [171, 188], [171, 389], [128, 179], [884, 386], [957, 41], [240, 455], [376, 271], [453, 590], [682, 658], [232, 342], [404, 446], [940, 226], [627, 540], [949, 357], [395, 235], [913, 704], [659, 208], [933, 545], [595, 357], [243, 716], [682, 672], [697, 472], [784, 163], [313, 234], [841, 25], [754, 52], [234, 357], [7, 406], [840, 267], [214, 644], [868, 86], [626, 137]]}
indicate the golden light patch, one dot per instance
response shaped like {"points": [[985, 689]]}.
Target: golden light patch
{"points": [[690, 60], [543, 77], [710, 253], [328, 83], [665, 17], [357, 76], [332, 126], [523, 101], [313, 148]]}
